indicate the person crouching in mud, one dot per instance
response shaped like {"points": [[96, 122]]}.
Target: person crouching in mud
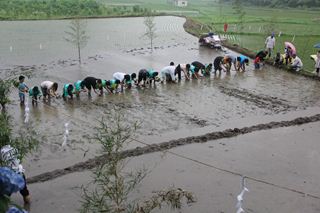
{"points": [[152, 76], [49, 89], [68, 91], [198, 69], [233, 60], [92, 83], [242, 61], [35, 94], [126, 80], [221, 63], [260, 58], [279, 60], [185, 68], [146, 76], [111, 86], [78, 88], [168, 73]]}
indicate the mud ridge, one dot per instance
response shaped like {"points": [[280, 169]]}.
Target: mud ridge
{"points": [[272, 103], [91, 163]]}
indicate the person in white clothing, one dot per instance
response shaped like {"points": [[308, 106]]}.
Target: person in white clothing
{"points": [[125, 79], [296, 64], [317, 65], [49, 89], [168, 73], [270, 44]]}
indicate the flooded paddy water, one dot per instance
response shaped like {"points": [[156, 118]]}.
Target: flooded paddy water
{"points": [[37, 49]]}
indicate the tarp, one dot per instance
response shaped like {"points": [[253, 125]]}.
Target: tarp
{"points": [[317, 46]]}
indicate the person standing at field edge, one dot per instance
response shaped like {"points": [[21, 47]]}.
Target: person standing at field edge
{"points": [[270, 43], [317, 65]]}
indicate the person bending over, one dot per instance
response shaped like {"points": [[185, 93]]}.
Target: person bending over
{"points": [[152, 76], [79, 87], [185, 68], [34, 93], [49, 89], [92, 83], [126, 80], [242, 61], [168, 73], [68, 91], [221, 63], [112, 85]]}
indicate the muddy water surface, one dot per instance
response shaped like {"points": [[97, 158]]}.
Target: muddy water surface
{"points": [[37, 48]]}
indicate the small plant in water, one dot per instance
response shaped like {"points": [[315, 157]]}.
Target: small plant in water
{"points": [[77, 35], [150, 29], [111, 188]]}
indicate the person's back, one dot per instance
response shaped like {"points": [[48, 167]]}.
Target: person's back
{"points": [[243, 59], [217, 63], [168, 72], [119, 76], [198, 65], [46, 84], [261, 54], [297, 62]]}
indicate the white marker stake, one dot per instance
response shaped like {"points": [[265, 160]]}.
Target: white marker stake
{"points": [[11, 48], [293, 38], [66, 134], [26, 111], [40, 46], [240, 196], [279, 34]]}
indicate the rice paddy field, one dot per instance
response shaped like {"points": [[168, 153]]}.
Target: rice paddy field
{"points": [[299, 26]]}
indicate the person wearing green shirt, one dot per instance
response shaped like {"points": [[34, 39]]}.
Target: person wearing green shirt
{"points": [[34, 92], [112, 85], [68, 90], [79, 87], [152, 75]]}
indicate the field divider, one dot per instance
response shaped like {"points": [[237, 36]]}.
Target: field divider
{"points": [[165, 146]]}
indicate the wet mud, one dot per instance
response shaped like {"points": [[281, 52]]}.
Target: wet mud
{"points": [[262, 101], [171, 144]]}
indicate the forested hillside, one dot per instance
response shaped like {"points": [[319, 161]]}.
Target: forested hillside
{"points": [[47, 9]]}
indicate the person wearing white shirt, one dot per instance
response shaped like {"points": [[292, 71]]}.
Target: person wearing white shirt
{"points": [[317, 65], [49, 89], [296, 64], [125, 79], [270, 44], [168, 73]]}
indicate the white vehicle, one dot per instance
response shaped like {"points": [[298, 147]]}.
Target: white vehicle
{"points": [[211, 40]]}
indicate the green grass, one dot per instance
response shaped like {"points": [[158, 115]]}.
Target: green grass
{"points": [[301, 24]]}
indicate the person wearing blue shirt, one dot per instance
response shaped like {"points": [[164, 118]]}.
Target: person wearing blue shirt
{"points": [[23, 88], [242, 61]]}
